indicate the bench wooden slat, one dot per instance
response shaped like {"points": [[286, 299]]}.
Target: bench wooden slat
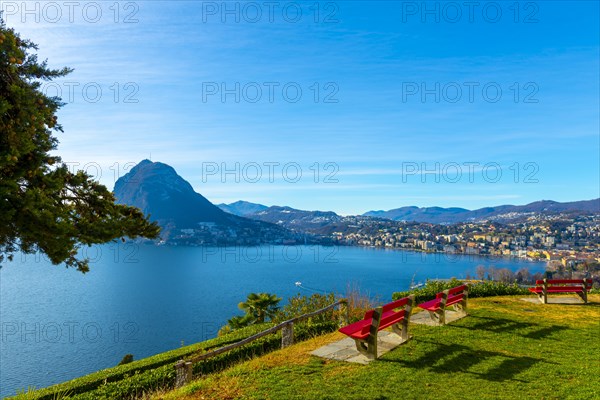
{"points": [[566, 287], [563, 281], [355, 329], [454, 299], [391, 319], [457, 289], [431, 304], [395, 304], [435, 304], [559, 289]]}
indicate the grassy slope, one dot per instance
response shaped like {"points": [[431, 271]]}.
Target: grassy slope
{"points": [[506, 348]]}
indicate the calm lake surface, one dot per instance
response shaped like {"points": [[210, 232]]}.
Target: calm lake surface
{"points": [[58, 324]]}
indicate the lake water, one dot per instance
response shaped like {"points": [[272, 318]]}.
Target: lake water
{"points": [[58, 324]]}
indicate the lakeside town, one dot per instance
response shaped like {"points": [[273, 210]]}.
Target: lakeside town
{"points": [[562, 240], [569, 242]]}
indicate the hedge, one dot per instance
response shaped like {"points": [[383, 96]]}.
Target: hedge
{"points": [[481, 289]]}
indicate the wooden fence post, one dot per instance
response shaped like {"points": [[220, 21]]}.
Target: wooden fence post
{"points": [[287, 335], [184, 373]]}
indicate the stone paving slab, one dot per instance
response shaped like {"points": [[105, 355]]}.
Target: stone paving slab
{"points": [[555, 300], [423, 318], [345, 349]]}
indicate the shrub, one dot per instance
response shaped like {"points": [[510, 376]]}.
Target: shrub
{"points": [[299, 305], [307, 331], [359, 302], [127, 358], [258, 307]]}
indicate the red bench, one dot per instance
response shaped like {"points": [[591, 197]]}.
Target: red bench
{"points": [[579, 286], [456, 297], [364, 332]]}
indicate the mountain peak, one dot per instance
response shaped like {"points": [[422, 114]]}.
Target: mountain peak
{"points": [[184, 215], [158, 190]]}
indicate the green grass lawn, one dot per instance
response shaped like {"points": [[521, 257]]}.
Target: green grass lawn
{"points": [[505, 349]]}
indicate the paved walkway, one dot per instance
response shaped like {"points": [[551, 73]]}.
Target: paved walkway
{"points": [[345, 349]]}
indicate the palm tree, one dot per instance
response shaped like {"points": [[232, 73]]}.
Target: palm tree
{"points": [[240, 321], [260, 306]]}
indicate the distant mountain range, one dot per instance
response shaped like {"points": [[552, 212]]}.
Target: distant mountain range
{"points": [[289, 217], [439, 215], [242, 208], [298, 220], [313, 222], [189, 218], [183, 214]]}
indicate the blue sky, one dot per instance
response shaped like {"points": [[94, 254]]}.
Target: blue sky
{"points": [[401, 103]]}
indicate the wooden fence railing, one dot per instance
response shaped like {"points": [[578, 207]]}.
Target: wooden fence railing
{"points": [[184, 367]]}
